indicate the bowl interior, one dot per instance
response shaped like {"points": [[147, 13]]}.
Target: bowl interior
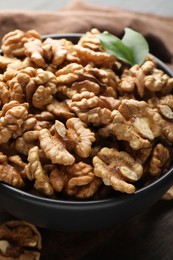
{"points": [[66, 214]]}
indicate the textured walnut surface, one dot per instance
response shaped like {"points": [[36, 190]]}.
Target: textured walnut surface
{"points": [[74, 119], [19, 240]]}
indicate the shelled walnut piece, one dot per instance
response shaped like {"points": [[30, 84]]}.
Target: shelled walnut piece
{"points": [[19, 240], [73, 118], [117, 169], [169, 194]]}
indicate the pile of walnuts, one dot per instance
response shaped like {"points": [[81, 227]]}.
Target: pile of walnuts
{"points": [[74, 119]]}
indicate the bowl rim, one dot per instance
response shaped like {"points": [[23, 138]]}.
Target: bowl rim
{"points": [[165, 177]]}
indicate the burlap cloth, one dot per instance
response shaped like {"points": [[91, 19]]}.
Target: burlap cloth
{"points": [[79, 16]]}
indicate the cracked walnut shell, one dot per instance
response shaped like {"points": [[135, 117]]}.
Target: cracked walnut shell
{"points": [[19, 240]]}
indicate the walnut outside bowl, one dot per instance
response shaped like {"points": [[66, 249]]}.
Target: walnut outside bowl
{"points": [[70, 215]]}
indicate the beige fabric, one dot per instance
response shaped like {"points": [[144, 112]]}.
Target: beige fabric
{"points": [[80, 16]]}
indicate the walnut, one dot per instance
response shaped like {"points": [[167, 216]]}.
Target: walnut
{"points": [[91, 108], [85, 85], [35, 171], [15, 91], [57, 51], [76, 180], [74, 78], [167, 131], [79, 136], [5, 61], [13, 115], [12, 173], [15, 67], [36, 86], [43, 124], [46, 82], [133, 80], [19, 240], [124, 130], [111, 103], [168, 87], [169, 194], [106, 78], [3, 158], [85, 101], [136, 123], [81, 182], [54, 145], [57, 179], [18, 164], [68, 74], [159, 160], [4, 94], [141, 155], [34, 50], [96, 116], [78, 87], [97, 57], [28, 125], [166, 111], [127, 83], [164, 108], [22, 85], [13, 42], [54, 51], [107, 131], [90, 40], [44, 116], [117, 169], [149, 118], [25, 142], [60, 109], [158, 81], [145, 78]]}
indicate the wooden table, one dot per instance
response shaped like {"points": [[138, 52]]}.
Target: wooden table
{"points": [[148, 236]]}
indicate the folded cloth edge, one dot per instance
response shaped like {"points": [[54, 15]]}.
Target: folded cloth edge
{"points": [[81, 16]]}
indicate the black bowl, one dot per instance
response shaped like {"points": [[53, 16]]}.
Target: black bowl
{"points": [[70, 215]]}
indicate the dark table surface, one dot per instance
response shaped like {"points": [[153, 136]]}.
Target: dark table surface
{"points": [[144, 237]]}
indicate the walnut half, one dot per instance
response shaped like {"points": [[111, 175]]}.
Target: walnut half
{"points": [[117, 169], [19, 240]]}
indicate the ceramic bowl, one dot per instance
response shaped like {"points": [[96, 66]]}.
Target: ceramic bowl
{"points": [[70, 215]]}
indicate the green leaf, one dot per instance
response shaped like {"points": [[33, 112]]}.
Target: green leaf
{"points": [[116, 47], [138, 45], [132, 49]]}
